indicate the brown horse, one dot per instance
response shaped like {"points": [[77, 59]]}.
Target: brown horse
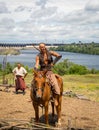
{"points": [[40, 95]]}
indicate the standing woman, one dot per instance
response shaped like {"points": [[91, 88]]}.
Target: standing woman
{"points": [[19, 74]]}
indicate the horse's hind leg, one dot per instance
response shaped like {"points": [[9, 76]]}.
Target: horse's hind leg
{"points": [[58, 109], [36, 108], [53, 113]]}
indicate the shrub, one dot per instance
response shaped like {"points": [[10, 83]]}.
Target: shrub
{"points": [[78, 69], [67, 67]]}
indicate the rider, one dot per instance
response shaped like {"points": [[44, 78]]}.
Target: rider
{"points": [[45, 61]]}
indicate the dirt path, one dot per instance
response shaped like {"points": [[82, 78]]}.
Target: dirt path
{"points": [[75, 112]]}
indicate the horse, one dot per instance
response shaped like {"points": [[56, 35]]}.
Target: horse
{"points": [[41, 94]]}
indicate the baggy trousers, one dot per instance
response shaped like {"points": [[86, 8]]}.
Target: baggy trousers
{"points": [[20, 83], [53, 82]]}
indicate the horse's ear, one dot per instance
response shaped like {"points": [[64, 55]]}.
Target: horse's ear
{"points": [[44, 72], [35, 72]]}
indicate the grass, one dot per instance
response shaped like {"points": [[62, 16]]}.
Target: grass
{"points": [[87, 85], [11, 51]]}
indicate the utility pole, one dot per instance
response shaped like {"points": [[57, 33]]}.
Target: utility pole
{"points": [[4, 69]]}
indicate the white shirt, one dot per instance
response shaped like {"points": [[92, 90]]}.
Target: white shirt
{"points": [[20, 71]]}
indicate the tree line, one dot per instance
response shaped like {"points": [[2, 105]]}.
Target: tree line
{"points": [[86, 48], [67, 67], [62, 68]]}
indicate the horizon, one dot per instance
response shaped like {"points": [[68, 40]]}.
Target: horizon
{"points": [[31, 42]]}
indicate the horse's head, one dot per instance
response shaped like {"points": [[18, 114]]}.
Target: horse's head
{"points": [[39, 84]]}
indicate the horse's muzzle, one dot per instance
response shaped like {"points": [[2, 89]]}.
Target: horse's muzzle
{"points": [[38, 93], [38, 97]]}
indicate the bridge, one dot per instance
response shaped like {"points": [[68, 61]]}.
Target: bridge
{"points": [[28, 44]]}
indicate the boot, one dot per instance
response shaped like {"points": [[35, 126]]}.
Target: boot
{"points": [[23, 92], [16, 91]]}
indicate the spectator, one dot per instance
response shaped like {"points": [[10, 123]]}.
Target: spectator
{"points": [[19, 74]]}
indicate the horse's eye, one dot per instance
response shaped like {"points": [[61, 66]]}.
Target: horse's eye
{"points": [[36, 89], [42, 89], [35, 81], [43, 84]]}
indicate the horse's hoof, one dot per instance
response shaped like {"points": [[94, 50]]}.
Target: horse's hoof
{"points": [[58, 124], [47, 125], [32, 120]]}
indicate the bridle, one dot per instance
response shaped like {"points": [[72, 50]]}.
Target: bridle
{"points": [[41, 88]]}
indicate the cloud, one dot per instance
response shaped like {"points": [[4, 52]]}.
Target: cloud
{"points": [[3, 8], [41, 3], [6, 29], [92, 5], [50, 20], [7, 23], [44, 13], [23, 8]]}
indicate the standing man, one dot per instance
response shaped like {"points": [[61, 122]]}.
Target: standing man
{"points": [[19, 74], [45, 61]]}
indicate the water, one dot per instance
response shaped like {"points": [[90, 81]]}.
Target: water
{"points": [[27, 57]]}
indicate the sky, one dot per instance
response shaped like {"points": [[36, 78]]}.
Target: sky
{"points": [[56, 21]]}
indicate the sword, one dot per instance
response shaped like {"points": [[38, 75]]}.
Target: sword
{"points": [[35, 47]]}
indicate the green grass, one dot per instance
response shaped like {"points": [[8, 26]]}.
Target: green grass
{"points": [[87, 85]]}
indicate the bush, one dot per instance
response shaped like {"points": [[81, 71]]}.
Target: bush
{"points": [[8, 68], [67, 67], [62, 68], [78, 69]]}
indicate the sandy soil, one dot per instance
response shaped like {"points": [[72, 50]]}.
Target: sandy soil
{"points": [[76, 113]]}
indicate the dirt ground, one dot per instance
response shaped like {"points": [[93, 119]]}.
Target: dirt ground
{"points": [[76, 113]]}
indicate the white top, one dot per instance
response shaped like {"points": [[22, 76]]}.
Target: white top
{"points": [[20, 71]]}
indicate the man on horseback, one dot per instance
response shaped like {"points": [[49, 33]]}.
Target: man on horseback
{"points": [[45, 61]]}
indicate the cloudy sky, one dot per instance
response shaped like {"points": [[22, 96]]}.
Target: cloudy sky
{"points": [[49, 20]]}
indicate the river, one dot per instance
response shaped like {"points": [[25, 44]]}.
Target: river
{"points": [[27, 57]]}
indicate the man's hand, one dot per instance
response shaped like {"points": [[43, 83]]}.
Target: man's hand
{"points": [[36, 69], [22, 77], [15, 78], [52, 64]]}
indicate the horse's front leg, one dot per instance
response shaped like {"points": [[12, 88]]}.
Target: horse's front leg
{"points": [[46, 112], [36, 108]]}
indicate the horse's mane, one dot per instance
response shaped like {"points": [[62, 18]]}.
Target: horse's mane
{"points": [[39, 74]]}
